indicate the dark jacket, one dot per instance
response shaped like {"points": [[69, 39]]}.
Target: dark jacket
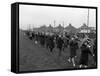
{"points": [[73, 47], [85, 51]]}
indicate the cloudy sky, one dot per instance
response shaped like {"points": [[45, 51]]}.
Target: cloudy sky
{"points": [[36, 16]]}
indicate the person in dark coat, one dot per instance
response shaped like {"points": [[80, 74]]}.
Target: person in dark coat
{"points": [[66, 43], [51, 43], [47, 41], [95, 52], [85, 51], [33, 35], [29, 34], [59, 43], [73, 48], [42, 40]]}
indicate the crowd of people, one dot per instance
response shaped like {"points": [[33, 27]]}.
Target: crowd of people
{"points": [[72, 41]]}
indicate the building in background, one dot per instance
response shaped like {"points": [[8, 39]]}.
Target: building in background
{"points": [[86, 29]]}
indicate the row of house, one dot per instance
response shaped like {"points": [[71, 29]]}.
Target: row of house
{"points": [[83, 29]]}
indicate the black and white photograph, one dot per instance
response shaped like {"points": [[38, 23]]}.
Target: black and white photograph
{"points": [[57, 38]]}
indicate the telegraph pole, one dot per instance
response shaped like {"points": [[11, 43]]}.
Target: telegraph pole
{"points": [[88, 18], [63, 23], [63, 26], [54, 23]]}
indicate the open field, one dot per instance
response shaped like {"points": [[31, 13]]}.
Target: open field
{"points": [[35, 57]]}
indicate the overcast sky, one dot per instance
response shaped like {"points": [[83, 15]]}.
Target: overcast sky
{"points": [[36, 16]]}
